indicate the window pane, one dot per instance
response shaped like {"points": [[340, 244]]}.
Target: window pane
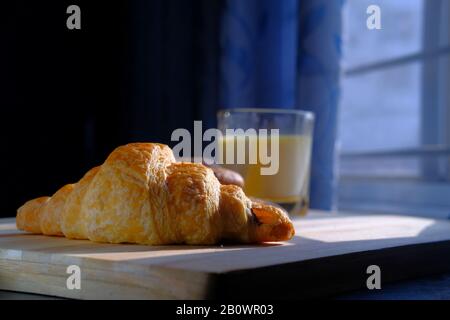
{"points": [[381, 167], [381, 110], [401, 33]]}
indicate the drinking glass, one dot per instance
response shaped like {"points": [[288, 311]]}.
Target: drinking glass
{"points": [[259, 135]]}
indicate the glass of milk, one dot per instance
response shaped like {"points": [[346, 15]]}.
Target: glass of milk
{"points": [[271, 149]]}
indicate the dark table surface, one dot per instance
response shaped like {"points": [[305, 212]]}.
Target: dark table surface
{"points": [[428, 288]]}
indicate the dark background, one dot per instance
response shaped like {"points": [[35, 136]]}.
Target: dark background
{"points": [[135, 71]]}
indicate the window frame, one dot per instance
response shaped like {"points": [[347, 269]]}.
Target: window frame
{"points": [[411, 195]]}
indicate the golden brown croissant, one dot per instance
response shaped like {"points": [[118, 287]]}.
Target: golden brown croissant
{"points": [[142, 195]]}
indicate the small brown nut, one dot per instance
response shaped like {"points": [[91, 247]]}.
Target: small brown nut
{"points": [[226, 176]]}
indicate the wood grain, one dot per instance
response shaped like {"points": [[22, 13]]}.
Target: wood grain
{"points": [[329, 255]]}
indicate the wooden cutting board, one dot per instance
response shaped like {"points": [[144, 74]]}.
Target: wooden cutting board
{"points": [[329, 255]]}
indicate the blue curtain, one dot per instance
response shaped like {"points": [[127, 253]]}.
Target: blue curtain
{"points": [[285, 54], [161, 65]]}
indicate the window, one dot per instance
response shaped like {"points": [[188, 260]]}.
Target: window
{"points": [[394, 125]]}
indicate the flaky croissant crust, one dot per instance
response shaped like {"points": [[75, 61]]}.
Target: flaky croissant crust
{"points": [[140, 194]]}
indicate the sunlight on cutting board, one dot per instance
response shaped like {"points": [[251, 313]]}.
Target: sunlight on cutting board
{"points": [[360, 228]]}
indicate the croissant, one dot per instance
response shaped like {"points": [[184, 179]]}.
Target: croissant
{"points": [[140, 194]]}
